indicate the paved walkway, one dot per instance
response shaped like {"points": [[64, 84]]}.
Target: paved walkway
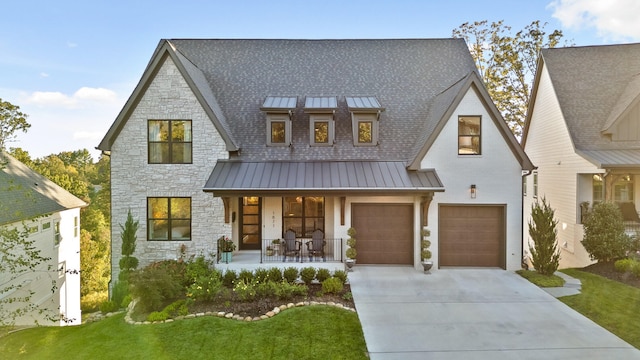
{"points": [[472, 314]]}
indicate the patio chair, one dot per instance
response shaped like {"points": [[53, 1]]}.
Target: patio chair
{"points": [[291, 245], [315, 247]]}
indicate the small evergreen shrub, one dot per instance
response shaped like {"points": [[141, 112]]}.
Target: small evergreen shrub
{"points": [[286, 290], [267, 289], [153, 285], [108, 306], [275, 275], [245, 275], [604, 237], [205, 288], [261, 275], [245, 290], [307, 274], [635, 270], [126, 301], [229, 278], [157, 316], [120, 291], [625, 265], [342, 275], [351, 253], [322, 274], [290, 274], [545, 255], [198, 267], [332, 286], [348, 296]]}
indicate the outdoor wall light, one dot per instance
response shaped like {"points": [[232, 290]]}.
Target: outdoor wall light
{"points": [[473, 191]]}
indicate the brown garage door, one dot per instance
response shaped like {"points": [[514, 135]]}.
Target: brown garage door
{"points": [[471, 236], [384, 233]]}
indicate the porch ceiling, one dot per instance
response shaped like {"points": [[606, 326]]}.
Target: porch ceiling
{"points": [[230, 178]]}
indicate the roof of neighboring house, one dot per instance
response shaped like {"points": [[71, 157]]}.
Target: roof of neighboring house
{"points": [[412, 82], [25, 194], [594, 86]]}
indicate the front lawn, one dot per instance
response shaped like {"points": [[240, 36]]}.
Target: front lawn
{"points": [[613, 305], [309, 332]]}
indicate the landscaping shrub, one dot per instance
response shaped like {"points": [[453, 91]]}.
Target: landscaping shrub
{"points": [[290, 274], [157, 316], [545, 255], [245, 275], [198, 267], [267, 289], [261, 275], [229, 278], [275, 275], [155, 284], [205, 288], [604, 237], [625, 265], [635, 270], [126, 301], [245, 290], [120, 291], [307, 274], [342, 275], [286, 290], [322, 275], [332, 286], [108, 306]]}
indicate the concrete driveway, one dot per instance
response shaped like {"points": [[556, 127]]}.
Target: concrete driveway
{"points": [[472, 314]]}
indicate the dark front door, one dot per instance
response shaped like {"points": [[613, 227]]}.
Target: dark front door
{"points": [[250, 223]]}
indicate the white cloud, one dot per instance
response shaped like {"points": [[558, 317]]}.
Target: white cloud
{"points": [[82, 98], [612, 19], [44, 75]]}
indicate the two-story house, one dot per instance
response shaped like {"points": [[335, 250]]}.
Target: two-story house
{"points": [[251, 138], [49, 217], [583, 133]]}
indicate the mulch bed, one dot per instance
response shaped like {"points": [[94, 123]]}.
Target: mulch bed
{"points": [[262, 306], [608, 271]]}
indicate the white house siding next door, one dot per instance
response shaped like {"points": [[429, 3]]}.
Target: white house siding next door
{"points": [[472, 235], [384, 233]]}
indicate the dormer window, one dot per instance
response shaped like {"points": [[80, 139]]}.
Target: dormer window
{"points": [[279, 110], [321, 112], [365, 114]]}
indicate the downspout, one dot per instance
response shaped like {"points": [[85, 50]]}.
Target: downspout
{"points": [[523, 264]]}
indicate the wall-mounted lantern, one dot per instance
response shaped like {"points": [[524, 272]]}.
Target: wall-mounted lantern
{"points": [[473, 191]]}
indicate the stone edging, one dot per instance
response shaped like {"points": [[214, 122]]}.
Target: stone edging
{"points": [[220, 314]]}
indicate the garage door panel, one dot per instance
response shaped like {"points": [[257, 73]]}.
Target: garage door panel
{"points": [[471, 235], [384, 233]]}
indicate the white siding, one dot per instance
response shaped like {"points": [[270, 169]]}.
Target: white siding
{"points": [[496, 174], [134, 180], [550, 148]]}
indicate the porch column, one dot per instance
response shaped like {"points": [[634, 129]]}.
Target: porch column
{"points": [[225, 201], [343, 200]]}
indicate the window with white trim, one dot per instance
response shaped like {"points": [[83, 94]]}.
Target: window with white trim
{"points": [[278, 130], [365, 129], [322, 129]]}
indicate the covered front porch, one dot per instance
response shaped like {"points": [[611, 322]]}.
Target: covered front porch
{"points": [[250, 260]]}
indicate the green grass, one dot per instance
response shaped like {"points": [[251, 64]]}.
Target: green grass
{"points": [[310, 332], [541, 280], [613, 305]]}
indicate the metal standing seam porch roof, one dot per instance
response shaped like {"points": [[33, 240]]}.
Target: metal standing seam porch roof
{"points": [[231, 177]]}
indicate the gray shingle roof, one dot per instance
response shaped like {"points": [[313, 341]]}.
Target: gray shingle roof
{"points": [[25, 194], [404, 75], [589, 83]]}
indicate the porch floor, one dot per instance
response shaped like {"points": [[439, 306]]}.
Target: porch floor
{"points": [[250, 260]]}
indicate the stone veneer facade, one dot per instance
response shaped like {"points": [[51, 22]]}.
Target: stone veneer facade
{"points": [[133, 180]]}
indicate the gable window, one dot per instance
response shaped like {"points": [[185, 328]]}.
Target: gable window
{"points": [[303, 215], [535, 184], [279, 110], [365, 118], [170, 142], [321, 121], [169, 218], [469, 135]]}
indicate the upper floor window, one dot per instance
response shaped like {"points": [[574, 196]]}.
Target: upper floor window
{"points": [[170, 142], [321, 121], [57, 238], [279, 110], [535, 184], [365, 116], [169, 218], [469, 135]]}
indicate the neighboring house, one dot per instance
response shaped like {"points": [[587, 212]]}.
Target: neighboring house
{"points": [[250, 138], [583, 134], [52, 217]]}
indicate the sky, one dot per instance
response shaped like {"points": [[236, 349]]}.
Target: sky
{"points": [[71, 65]]}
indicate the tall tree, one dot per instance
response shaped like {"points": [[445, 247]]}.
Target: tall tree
{"points": [[11, 121], [507, 63]]}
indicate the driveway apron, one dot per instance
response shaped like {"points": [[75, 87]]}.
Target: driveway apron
{"points": [[472, 314]]}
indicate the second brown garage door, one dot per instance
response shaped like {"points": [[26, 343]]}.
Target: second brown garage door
{"points": [[471, 235], [384, 233]]}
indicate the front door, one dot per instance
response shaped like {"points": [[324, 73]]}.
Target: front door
{"points": [[250, 223]]}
